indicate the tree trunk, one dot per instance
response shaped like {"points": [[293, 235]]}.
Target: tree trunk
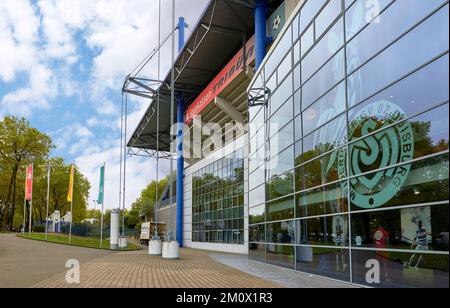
{"points": [[42, 210], [41, 216], [8, 197], [11, 187], [55, 200], [13, 203], [1, 215], [35, 214]]}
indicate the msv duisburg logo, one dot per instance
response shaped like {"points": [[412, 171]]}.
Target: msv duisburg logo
{"points": [[385, 145]]}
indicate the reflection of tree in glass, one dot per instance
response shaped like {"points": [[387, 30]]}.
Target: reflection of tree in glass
{"points": [[327, 166], [319, 171], [280, 186]]}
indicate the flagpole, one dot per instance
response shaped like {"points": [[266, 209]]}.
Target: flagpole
{"points": [[124, 163], [29, 218], [48, 201], [102, 181], [155, 214], [31, 205], [71, 219], [71, 203], [101, 228], [25, 203], [24, 215]]}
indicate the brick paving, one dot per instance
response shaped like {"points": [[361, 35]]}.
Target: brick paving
{"points": [[194, 269], [23, 263]]}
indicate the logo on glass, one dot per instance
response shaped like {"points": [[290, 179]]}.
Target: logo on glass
{"points": [[277, 23], [390, 146]]}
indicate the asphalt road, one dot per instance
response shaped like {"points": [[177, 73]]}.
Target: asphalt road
{"points": [[24, 263]]}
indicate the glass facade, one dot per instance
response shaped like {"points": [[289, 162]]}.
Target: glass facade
{"points": [[349, 144], [218, 201]]}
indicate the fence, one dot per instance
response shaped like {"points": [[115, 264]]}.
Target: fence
{"points": [[85, 230]]}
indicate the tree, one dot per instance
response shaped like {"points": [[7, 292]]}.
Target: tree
{"points": [[20, 145], [143, 207], [94, 214], [59, 186]]}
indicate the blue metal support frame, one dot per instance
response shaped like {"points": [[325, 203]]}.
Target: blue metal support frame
{"points": [[261, 31], [180, 158]]}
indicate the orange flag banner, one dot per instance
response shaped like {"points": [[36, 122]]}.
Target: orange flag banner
{"points": [[70, 193]]}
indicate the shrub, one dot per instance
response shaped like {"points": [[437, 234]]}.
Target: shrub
{"points": [[39, 229]]}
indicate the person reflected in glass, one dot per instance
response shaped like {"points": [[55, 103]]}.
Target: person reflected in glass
{"points": [[381, 237], [421, 243], [339, 240]]}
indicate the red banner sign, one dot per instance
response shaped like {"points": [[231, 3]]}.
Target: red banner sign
{"points": [[29, 184], [225, 77]]}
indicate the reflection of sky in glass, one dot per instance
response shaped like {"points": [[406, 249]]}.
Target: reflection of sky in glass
{"points": [[322, 117]]}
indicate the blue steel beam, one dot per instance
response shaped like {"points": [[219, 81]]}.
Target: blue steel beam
{"points": [[261, 31], [180, 158]]}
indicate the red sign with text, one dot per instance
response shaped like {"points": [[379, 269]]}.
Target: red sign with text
{"points": [[225, 77], [29, 184]]}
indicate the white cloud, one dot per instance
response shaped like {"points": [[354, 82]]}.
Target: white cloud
{"points": [[61, 19], [34, 96], [20, 54], [93, 122], [19, 26], [121, 33], [100, 122], [43, 40], [74, 139], [140, 172]]}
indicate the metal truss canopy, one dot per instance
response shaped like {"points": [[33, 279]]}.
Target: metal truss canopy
{"points": [[221, 31]]}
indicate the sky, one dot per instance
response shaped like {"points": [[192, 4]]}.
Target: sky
{"points": [[62, 66]]}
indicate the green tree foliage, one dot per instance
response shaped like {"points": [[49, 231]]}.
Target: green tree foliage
{"points": [[21, 145], [94, 214], [59, 186], [143, 208]]}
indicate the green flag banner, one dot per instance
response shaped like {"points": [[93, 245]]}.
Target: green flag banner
{"points": [[101, 192]]}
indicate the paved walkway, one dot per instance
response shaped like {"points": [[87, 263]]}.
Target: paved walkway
{"points": [[195, 269], [24, 263]]}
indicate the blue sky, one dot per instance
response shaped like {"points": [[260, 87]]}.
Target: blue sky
{"points": [[62, 63]]}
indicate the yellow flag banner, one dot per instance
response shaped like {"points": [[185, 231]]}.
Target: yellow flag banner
{"points": [[70, 193]]}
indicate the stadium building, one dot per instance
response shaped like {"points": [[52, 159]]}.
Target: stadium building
{"points": [[340, 168]]}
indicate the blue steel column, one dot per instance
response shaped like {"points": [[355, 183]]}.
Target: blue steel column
{"points": [[180, 158], [260, 31]]}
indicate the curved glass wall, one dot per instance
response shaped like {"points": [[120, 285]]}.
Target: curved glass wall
{"points": [[349, 143]]}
